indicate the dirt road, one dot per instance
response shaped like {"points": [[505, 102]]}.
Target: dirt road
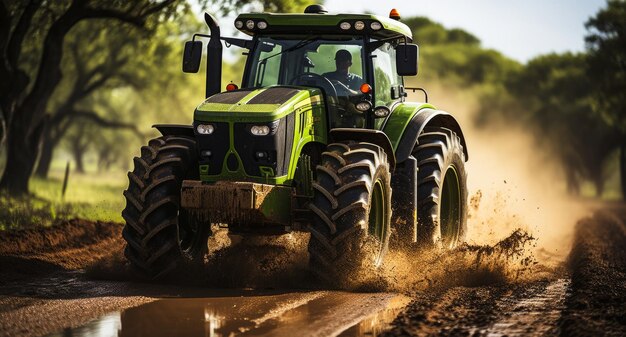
{"points": [[71, 280]]}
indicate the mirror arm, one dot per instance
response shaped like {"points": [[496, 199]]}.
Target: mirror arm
{"points": [[243, 43]]}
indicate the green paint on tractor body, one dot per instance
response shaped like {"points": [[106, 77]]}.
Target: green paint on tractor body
{"points": [[285, 90]]}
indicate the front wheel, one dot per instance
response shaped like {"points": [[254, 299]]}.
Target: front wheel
{"points": [[159, 234], [351, 210], [441, 189]]}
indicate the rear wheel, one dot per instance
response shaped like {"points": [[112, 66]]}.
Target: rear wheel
{"points": [[442, 188], [159, 234], [351, 206]]}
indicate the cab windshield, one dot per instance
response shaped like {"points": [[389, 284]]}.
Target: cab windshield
{"points": [[280, 61], [333, 65]]}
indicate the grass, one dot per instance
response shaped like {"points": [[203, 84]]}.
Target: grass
{"points": [[92, 196]]}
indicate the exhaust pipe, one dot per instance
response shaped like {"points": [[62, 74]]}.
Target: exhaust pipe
{"points": [[214, 58]]}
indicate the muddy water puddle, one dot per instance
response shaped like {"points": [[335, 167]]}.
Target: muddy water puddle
{"points": [[321, 313]]}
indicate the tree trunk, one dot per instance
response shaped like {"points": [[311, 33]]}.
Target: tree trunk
{"points": [[45, 157], [21, 156], [78, 150], [598, 181], [78, 158], [622, 162]]}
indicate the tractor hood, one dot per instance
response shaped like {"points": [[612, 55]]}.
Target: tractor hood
{"points": [[262, 104]]}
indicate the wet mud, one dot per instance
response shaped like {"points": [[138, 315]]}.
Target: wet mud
{"points": [[74, 276]]}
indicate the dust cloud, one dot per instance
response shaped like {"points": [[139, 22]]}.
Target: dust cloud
{"points": [[514, 184]]}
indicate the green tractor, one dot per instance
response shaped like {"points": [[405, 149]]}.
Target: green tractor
{"points": [[319, 138]]}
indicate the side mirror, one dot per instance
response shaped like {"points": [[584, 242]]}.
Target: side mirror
{"points": [[192, 56], [407, 56]]}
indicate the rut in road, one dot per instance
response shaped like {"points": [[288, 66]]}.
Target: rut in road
{"points": [[522, 309]]}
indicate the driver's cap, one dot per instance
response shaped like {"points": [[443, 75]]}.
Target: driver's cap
{"points": [[343, 55]]}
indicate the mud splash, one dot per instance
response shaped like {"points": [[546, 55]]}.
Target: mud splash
{"points": [[411, 269], [282, 262]]}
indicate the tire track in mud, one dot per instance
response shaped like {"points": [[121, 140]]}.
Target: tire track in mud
{"points": [[537, 315], [524, 309]]}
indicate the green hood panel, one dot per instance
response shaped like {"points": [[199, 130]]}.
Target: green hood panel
{"points": [[263, 104]]}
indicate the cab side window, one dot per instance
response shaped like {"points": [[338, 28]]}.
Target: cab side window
{"points": [[386, 79], [266, 71]]}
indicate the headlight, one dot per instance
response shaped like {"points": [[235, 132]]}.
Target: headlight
{"points": [[250, 24], [261, 24], [239, 24], [363, 106], [205, 129], [376, 25], [381, 111], [345, 25], [260, 130], [359, 25]]}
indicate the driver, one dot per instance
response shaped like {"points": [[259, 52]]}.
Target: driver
{"points": [[343, 61]]}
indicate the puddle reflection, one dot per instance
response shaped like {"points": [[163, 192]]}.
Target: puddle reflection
{"points": [[279, 315]]}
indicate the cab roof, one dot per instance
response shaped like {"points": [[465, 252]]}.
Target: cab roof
{"points": [[292, 23]]}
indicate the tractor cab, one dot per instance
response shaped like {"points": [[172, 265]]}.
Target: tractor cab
{"points": [[356, 60]]}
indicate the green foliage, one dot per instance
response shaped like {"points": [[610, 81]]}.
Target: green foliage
{"points": [[86, 198], [455, 56], [606, 43], [558, 96], [275, 6], [23, 212], [428, 32]]}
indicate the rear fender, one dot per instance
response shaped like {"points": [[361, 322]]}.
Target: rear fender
{"points": [[423, 118], [175, 130], [366, 135]]}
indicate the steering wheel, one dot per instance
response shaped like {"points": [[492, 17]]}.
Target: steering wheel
{"points": [[325, 83], [343, 89]]}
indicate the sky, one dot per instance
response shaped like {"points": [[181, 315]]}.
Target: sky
{"points": [[520, 29]]}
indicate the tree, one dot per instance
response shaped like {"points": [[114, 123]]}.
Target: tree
{"points": [[606, 44], [555, 100], [24, 98], [100, 56]]}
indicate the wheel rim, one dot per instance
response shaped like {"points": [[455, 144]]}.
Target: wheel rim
{"points": [[450, 208], [377, 216]]}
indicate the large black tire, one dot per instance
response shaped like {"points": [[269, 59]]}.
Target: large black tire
{"points": [[352, 199], [441, 189], [159, 235]]}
